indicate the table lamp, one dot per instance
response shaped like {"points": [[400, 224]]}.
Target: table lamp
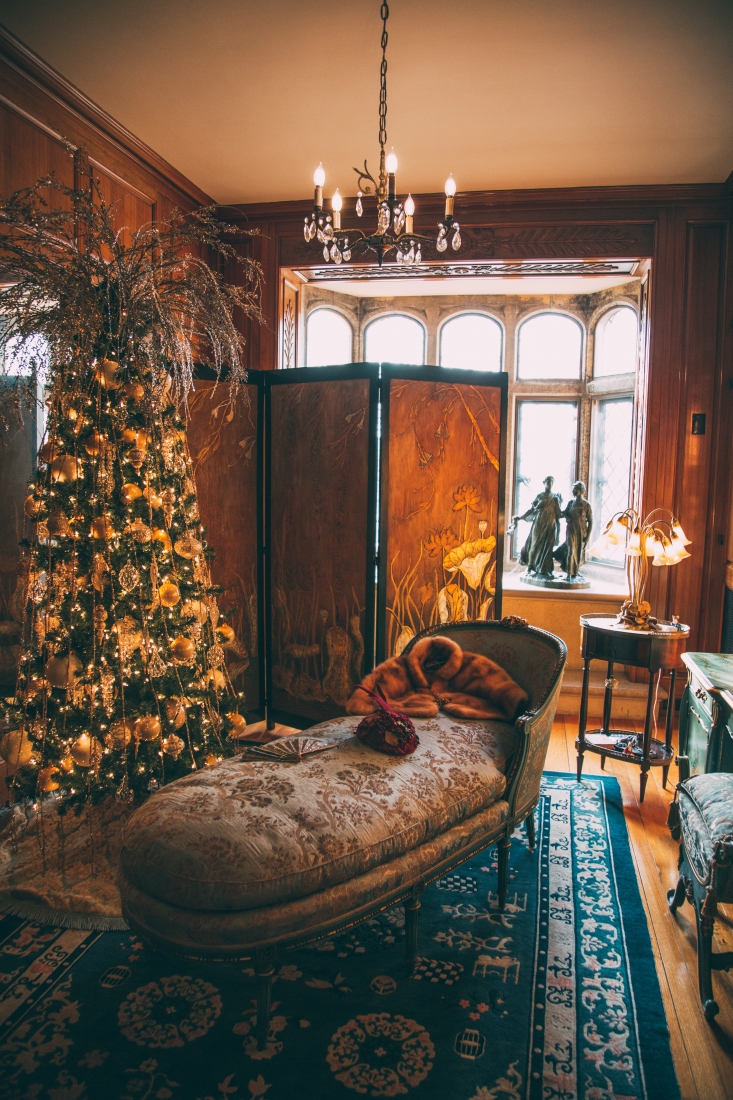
{"points": [[658, 536]]}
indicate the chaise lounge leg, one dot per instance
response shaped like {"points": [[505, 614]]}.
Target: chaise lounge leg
{"points": [[412, 910], [531, 835], [503, 847], [704, 965], [676, 897], [264, 970]]}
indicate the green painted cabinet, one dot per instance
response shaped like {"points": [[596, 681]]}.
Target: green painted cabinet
{"points": [[706, 715]]}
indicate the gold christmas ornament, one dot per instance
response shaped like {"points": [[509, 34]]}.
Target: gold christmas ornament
{"points": [[86, 751], [16, 749], [187, 547], [225, 632], [161, 535], [147, 728], [47, 779], [175, 711], [173, 746], [128, 577], [65, 468], [106, 374], [138, 436], [129, 634], [49, 451], [102, 528], [195, 609], [31, 506], [152, 498], [133, 391], [94, 445], [139, 531], [211, 760], [58, 524], [215, 679], [137, 457], [120, 734], [156, 665], [238, 725], [215, 656], [67, 763], [183, 651], [63, 672], [130, 492], [169, 594]]}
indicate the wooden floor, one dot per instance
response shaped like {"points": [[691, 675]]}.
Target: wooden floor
{"points": [[703, 1053]]}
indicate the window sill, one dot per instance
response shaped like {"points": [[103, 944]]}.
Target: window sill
{"points": [[614, 592]]}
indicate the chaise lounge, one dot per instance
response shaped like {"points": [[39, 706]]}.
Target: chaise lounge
{"points": [[250, 857]]}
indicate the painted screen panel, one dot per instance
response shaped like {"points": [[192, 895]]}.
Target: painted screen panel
{"points": [[224, 452], [320, 544], [442, 506]]}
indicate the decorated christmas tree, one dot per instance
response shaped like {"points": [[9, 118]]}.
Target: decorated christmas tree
{"points": [[122, 682]]}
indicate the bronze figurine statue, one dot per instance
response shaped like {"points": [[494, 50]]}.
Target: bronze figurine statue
{"points": [[578, 516], [545, 514]]}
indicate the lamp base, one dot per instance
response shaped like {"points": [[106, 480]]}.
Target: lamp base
{"points": [[637, 616]]}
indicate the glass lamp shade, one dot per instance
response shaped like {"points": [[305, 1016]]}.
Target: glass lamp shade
{"points": [[600, 547], [615, 533], [633, 548], [678, 533]]}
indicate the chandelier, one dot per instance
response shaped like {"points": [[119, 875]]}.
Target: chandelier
{"points": [[394, 230]]}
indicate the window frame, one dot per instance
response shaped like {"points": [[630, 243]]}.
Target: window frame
{"points": [[472, 313], [380, 316], [598, 322], [329, 309]]}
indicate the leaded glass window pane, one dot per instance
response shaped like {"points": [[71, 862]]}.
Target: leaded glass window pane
{"points": [[550, 347], [395, 338], [616, 342], [610, 464], [328, 339], [547, 445], [471, 341]]}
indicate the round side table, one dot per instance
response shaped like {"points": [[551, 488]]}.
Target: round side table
{"points": [[603, 639]]}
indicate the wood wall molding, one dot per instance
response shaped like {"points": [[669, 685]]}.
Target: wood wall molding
{"points": [[31, 88]]}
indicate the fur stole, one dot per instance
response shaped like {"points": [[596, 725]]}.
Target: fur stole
{"points": [[437, 674]]}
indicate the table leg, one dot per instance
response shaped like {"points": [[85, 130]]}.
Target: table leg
{"points": [[670, 723], [608, 699], [583, 715], [645, 765]]}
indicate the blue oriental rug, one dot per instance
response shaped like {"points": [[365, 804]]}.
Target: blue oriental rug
{"points": [[553, 999]]}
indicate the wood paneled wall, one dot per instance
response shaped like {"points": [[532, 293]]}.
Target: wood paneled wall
{"points": [[684, 233]]}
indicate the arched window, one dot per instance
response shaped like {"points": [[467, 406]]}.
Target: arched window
{"points": [[329, 339], [616, 342], [550, 346], [394, 338], [472, 341]]}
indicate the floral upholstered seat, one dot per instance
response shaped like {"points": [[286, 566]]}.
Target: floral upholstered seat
{"points": [[251, 833]]}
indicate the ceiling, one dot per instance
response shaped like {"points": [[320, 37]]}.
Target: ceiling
{"points": [[245, 98]]}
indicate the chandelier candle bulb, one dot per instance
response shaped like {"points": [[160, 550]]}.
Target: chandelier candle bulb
{"points": [[336, 204], [319, 178], [450, 191], [409, 213]]}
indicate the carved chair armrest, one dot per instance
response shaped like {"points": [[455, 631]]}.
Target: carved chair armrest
{"points": [[533, 738]]}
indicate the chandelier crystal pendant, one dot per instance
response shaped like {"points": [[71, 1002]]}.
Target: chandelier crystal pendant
{"points": [[395, 220]]}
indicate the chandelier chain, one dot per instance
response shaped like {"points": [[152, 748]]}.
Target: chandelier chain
{"points": [[384, 12]]}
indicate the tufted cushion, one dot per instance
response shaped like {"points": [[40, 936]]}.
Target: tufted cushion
{"points": [[245, 834], [706, 818]]}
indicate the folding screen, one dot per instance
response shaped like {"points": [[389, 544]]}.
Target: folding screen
{"points": [[317, 493], [320, 509], [442, 500], [226, 452]]}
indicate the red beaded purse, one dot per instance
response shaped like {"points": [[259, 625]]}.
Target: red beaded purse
{"points": [[385, 729]]}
